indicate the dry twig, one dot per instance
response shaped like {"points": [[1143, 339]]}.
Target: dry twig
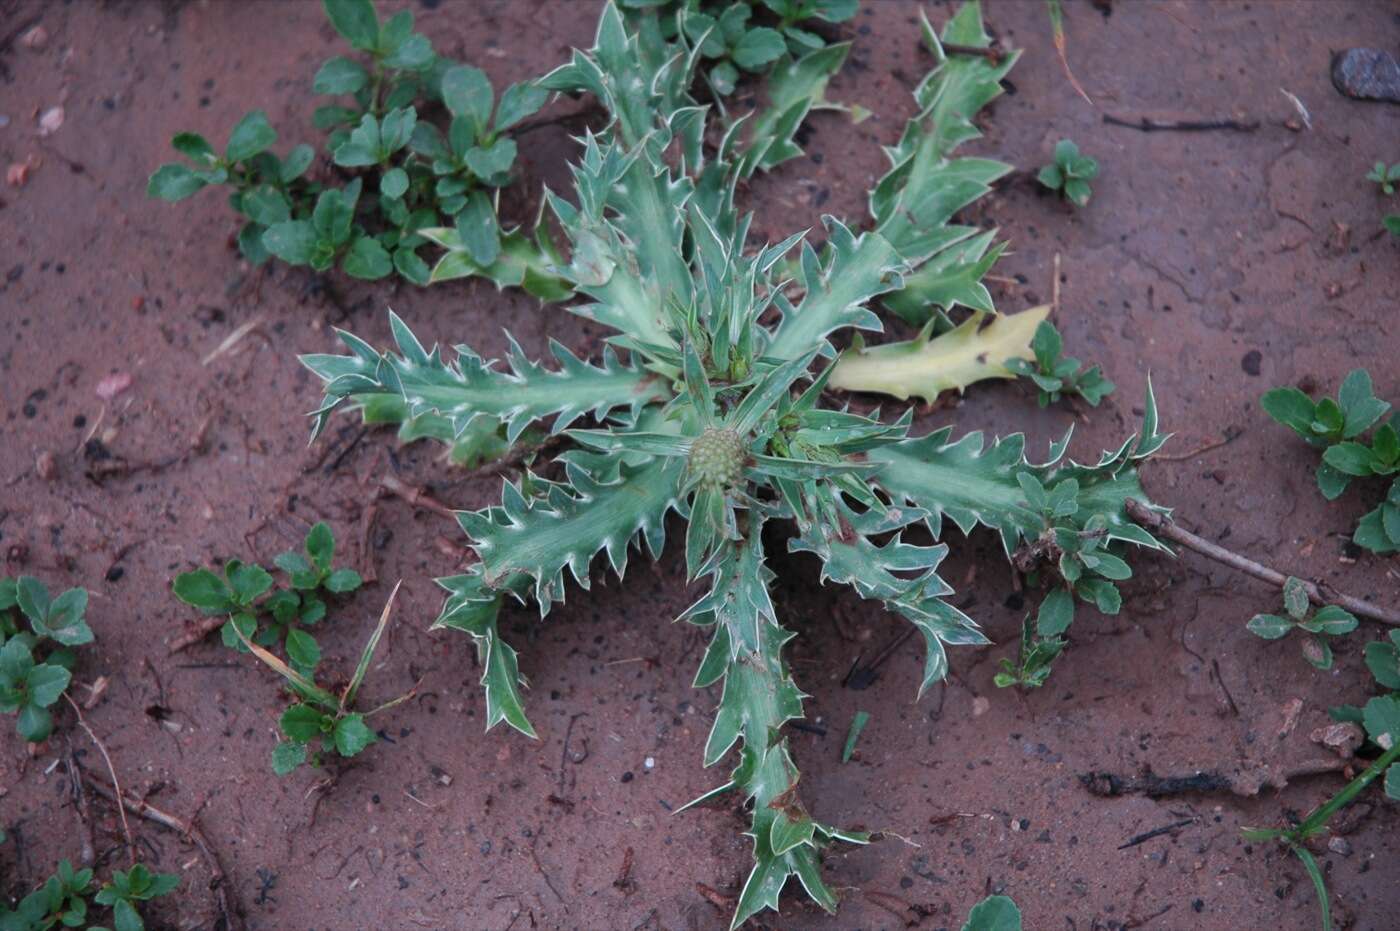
{"points": [[218, 879], [1319, 594]]}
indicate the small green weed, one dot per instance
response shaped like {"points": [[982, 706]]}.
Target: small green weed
{"points": [[281, 616], [62, 901], [36, 664], [320, 721], [1327, 621], [1056, 375], [1070, 173], [1385, 177], [420, 182], [1336, 428], [1381, 720], [1034, 659], [137, 884]]}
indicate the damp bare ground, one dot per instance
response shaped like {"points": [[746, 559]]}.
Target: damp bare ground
{"points": [[1224, 261]]}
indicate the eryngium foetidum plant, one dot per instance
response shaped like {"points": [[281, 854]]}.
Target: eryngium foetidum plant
{"points": [[699, 408]]}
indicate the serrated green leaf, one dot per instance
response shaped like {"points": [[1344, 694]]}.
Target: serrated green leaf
{"points": [[470, 387]]}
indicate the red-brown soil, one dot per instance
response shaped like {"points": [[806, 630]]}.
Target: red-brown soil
{"points": [[1224, 263]]}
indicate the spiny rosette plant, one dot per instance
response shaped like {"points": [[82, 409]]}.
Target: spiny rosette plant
{"points": [[701, 408], [36, 665]]}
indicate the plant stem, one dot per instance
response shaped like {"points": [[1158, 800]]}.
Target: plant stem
{"points": [[1320, 817], [1318, 594]]}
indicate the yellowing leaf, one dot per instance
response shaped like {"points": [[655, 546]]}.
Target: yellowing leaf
{"points": [[927, 367]]}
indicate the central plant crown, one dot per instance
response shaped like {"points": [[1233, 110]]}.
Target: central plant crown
{"points": [[701, 407]]}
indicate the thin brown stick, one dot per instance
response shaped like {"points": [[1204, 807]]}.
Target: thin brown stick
{"points": [[416, 497], [218, 879], [102, 748], [992, 53], [195, 634], [1319, 594], [1225, 440]]}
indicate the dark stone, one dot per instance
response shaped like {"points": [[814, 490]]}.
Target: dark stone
{"points": [[1367, 74], [1250, 362]]}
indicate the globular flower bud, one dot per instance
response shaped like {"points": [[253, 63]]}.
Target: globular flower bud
{"points": [[717, 458]]}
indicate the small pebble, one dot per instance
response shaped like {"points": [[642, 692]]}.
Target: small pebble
{"points": [[1367, 74], [35, 39], [46, 466], [649, 762], [51, 122]]}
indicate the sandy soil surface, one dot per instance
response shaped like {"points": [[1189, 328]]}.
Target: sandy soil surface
{"points": [[1224, 263]]}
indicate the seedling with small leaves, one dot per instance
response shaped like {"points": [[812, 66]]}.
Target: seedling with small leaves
{"points": [[705, 403], [1385, 177], [61, 902], [1070, 173], [414, 182], [1034, 658], [242, 593], [1327, 621], [1056, 375], [130, 887], [66, 900], [1336, 427], [320, 721], [36, 664]]}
